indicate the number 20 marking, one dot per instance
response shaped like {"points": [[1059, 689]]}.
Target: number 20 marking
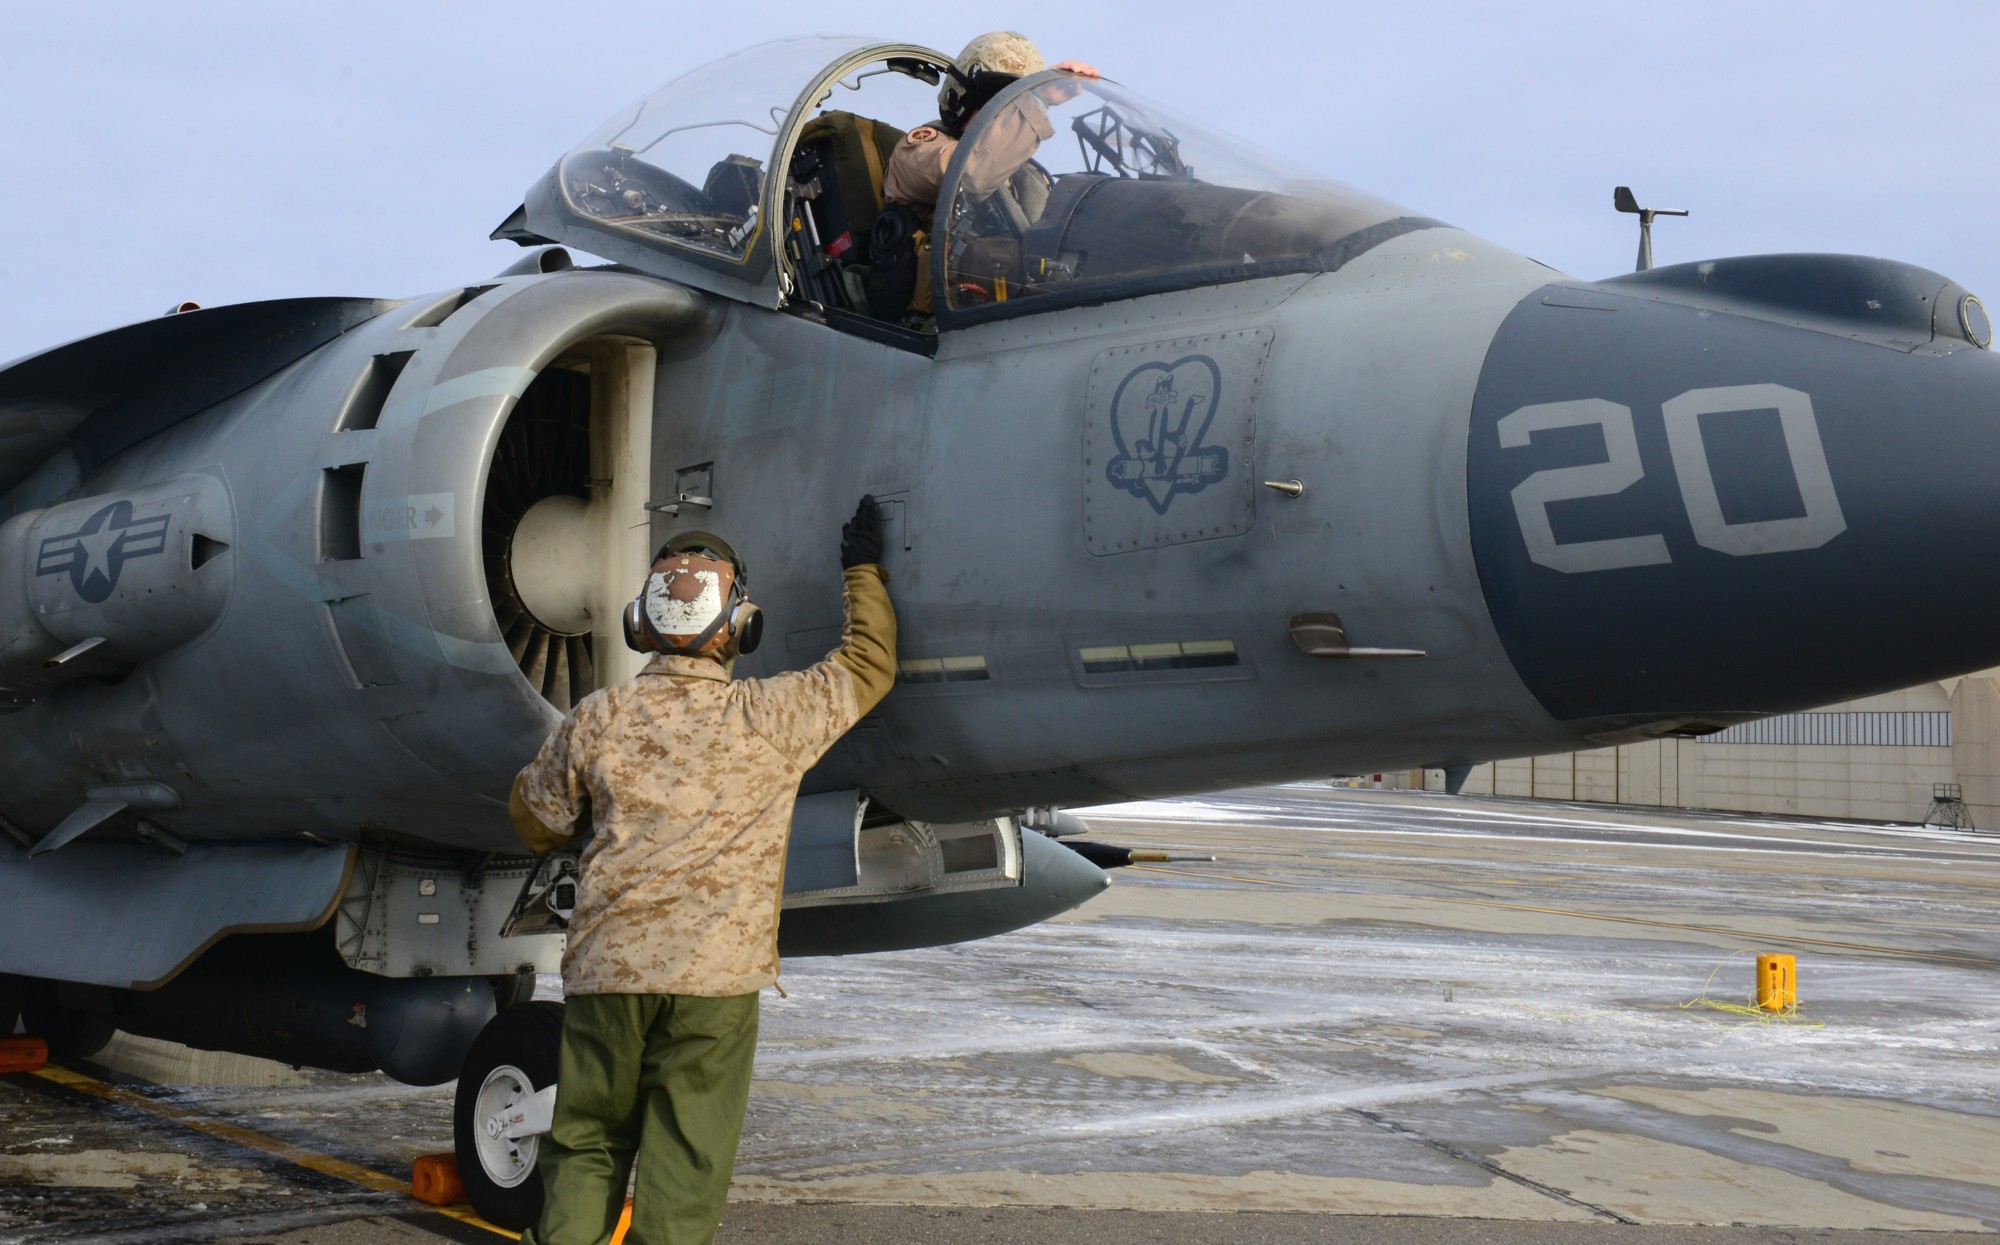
{"points": [[1621, 469]]}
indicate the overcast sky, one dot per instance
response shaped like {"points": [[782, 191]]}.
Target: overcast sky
{"points": [[225, 152]]}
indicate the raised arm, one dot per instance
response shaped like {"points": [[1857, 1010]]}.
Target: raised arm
{"points": [[868, 641], [804, 712]]}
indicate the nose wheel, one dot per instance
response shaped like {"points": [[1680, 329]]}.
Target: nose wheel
{"points": [[70, 1032], [501, 1112], [11, 991]]}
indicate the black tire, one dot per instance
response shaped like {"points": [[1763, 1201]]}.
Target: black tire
{"points": [[527, 1037], [11, 990], [70, 1032]]}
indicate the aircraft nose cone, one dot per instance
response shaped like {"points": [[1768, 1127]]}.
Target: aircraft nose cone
{"points": [[1688, 504]]}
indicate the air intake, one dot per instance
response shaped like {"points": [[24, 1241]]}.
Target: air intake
{"points": [[544, 453]]}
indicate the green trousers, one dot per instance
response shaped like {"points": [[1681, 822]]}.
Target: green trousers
{"points": [[664, 1077]]}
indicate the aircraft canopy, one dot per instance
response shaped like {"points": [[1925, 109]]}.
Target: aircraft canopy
{"points": [[685, 165], [1064, 190], [1069, 190]]}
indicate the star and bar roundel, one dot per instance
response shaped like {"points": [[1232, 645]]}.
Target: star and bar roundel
{"points": [[95, 554]]}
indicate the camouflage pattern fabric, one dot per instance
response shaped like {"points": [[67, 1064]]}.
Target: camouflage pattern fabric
{"points": [[687, 779]]}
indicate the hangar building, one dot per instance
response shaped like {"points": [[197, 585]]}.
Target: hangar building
{"points": [[1879, 759]]}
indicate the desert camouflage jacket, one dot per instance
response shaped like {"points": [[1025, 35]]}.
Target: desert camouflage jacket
{"points": [[687, 780]]}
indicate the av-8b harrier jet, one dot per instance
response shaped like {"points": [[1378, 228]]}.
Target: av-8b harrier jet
{"points": [[1197, 472]]}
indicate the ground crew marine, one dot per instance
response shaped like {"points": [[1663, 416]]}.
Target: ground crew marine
{"points": [[686, 780]]}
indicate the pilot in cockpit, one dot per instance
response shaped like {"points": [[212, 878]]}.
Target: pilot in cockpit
{"points": [[990, 62], [915, 170]]}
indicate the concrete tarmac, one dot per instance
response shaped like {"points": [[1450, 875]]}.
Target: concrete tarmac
{"points": [[820, 1223], [1378, 1016]]}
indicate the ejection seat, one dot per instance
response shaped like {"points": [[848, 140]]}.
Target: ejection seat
{"points": [[836, 196]]}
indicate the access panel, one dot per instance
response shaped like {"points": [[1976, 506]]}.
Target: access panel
{"points": [[1169, 441]]}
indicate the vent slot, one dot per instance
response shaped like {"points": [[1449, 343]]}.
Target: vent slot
{"points": [[942, 669], [205, 549], [340, 513], [364, 405], [1136, 658], [447, 307], [1115, 665]]}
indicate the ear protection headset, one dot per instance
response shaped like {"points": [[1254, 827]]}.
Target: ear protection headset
{"points": [[974, 91], [745, 622]]}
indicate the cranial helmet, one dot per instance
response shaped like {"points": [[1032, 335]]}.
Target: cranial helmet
{"points": [[698, 604], [988, 63]]}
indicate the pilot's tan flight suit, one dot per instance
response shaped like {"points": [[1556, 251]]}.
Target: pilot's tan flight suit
{"points": [[915, 172], [688, 779]]}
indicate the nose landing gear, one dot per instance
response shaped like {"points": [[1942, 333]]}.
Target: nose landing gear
{"points": [[506, 1093]]}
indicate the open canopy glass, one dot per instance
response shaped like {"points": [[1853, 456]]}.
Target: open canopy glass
{"points": [[1064, 189], [1071, 189], [686, 165]]}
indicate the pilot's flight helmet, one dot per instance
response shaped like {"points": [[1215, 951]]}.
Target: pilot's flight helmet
{"points": [[697, 605], [987, 64]]}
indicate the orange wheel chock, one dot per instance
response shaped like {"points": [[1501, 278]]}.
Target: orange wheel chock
{"points": [[23, 1054], [434, 1179]]}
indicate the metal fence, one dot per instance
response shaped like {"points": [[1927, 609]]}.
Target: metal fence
{"points": [[1895, 729]]}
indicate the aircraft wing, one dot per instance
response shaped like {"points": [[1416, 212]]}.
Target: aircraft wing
{"points": [[104, 393], [129, 916]]}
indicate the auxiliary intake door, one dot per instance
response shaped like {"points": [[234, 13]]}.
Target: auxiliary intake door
{"points": [[839, 854]]}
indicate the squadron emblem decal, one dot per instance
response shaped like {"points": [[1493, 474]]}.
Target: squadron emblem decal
{"points": [[1159, 415], [94, 554], [1170, 440]]}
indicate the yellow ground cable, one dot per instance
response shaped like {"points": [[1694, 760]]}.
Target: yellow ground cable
{"points": [[1751, 1013], [249, 1138], [1981, 960]]}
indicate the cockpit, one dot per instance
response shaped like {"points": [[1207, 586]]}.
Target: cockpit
{"points": [[762, 177]]}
